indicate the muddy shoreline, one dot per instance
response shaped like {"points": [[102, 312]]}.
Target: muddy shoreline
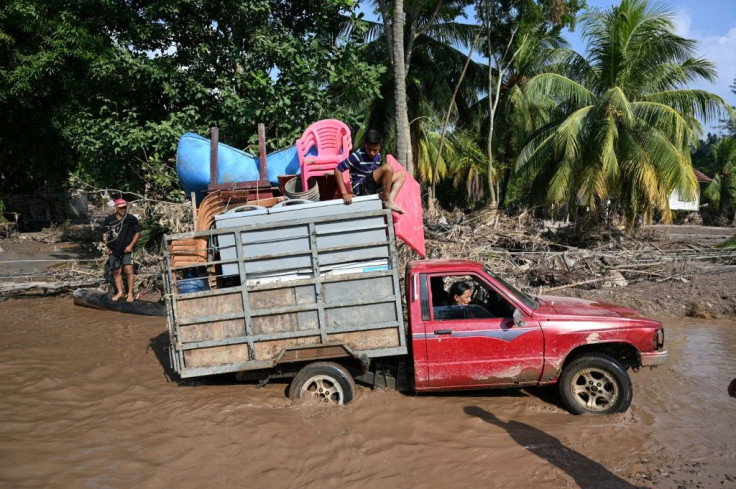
{"points": [[695, 288]]}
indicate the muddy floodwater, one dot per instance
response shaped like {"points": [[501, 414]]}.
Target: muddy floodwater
{"points": [[85, 402]]}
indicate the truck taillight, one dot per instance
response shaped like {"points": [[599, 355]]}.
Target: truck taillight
{"points": [[659, 338]]}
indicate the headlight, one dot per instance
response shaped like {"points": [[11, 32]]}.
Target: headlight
{"points": [[659, 338]]}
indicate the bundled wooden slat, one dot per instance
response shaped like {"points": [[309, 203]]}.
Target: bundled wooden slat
{"points": [[188, 252]]}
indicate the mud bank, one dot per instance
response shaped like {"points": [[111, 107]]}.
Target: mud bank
{"points": [[87, 402]]}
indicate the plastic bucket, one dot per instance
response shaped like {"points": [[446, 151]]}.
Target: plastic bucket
{"points": [[189, 285], [293, 190]]}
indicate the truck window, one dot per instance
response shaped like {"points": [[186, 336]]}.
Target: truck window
{"points": [[528, 300], [424, 297], [456, 297]]}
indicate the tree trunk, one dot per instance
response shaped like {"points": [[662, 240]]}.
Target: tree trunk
{"points": [[491, 117], [403, 141], [447, 119]]}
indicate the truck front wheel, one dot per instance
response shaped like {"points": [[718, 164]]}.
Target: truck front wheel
{"points": [[595, 383], [323, 382]]}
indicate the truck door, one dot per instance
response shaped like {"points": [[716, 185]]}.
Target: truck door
{"points": [[477, 344]]}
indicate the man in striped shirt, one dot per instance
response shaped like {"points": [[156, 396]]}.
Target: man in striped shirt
{"points": [[367, 174]]}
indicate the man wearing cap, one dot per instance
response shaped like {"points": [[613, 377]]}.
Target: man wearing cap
{"points": [[121, 234]]}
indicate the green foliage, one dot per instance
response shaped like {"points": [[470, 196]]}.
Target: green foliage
{"points": [[468, 165], [45, 52], [2, 212], [435, 64], [702, 155], [729, 243], [721, 192], [152, 235], [104, 90], [622, 121]]}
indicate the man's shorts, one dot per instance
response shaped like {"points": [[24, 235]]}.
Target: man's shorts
{"points": [[367, 186], [117, 262]]}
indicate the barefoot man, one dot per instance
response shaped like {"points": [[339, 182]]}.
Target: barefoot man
{"points": [[121, 234], [367, 174]]}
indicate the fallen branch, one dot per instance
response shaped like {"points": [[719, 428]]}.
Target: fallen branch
{"points": [[12, 288], [584, 282]]}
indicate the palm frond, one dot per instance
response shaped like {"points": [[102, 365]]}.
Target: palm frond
{"points": [[565, 90], [696, 103]]}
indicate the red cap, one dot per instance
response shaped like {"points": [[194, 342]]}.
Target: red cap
{"points": [[120, 203]]}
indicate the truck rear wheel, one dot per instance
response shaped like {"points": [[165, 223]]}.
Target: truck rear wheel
{"points": [[324, 383], [595, 383]]}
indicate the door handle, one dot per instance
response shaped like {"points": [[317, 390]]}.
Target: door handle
{"points": [[442, 331]]}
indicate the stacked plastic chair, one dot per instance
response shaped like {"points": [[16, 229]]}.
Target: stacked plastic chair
{"points": [[322, 146]]}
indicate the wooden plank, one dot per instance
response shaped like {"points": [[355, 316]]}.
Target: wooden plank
{"points": [[217, 330], [218, 355], [214, 140], [267, 350], [262, 151], [194, 209], [367, 340], [205, 306]]}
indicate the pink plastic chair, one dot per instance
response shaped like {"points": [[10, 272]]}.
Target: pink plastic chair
{"points": [[322, 147]]}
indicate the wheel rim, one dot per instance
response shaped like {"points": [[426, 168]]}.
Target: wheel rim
{"points": [[594, 389], [322, 389]]}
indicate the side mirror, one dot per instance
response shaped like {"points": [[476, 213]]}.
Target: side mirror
{"points": [[518, 319]]}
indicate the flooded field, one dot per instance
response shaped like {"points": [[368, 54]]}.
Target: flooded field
{"points": [[85, 401]]}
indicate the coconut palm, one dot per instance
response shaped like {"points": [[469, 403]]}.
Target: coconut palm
{"points": [[468, 164], [721, 192], [517, 118], [435, 56], [623, 118], [431, 167]]}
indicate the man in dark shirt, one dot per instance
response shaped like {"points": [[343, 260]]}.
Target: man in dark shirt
{"points": [[121, 234], [367, 174]]}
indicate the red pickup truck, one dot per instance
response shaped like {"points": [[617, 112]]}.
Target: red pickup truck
{"points": [[317, 298], [506, 338]]}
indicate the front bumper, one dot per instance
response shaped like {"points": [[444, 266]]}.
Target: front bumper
{"points": [[652, 358]]}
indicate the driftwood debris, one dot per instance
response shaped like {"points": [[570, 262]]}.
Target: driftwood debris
{"points": [[46, 288], [541, 258]]}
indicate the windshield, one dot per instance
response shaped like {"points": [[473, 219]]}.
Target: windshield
{"points": [[528, 300]]}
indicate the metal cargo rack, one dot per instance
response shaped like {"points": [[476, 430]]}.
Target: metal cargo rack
{"points": [[338, 306]]}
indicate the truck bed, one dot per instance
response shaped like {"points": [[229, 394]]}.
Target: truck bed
{"points": [[321, 285]]}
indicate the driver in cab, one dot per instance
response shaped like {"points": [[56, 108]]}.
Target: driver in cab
{"points": [[460, 304]]}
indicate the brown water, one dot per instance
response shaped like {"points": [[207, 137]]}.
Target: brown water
{"points": [[85, 403]]}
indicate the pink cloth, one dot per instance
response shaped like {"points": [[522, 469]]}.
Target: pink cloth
{"points": [[409, 226]]}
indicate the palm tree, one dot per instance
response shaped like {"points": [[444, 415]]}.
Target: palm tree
{"points": [[518, 119], [468, 164], [721, 192], [623, 119], [432, 64]]}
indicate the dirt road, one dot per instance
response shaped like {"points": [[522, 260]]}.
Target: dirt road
{"points": [[86, 402]]}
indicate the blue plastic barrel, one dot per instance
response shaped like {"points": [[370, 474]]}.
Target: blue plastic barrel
{"points": [[189, 285]]}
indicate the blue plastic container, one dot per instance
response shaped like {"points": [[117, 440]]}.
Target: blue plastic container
{"points": [[189, 285], [233, 165]]}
